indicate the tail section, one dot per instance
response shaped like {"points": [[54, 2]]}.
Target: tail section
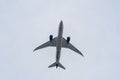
{"points": [[57, 65]]}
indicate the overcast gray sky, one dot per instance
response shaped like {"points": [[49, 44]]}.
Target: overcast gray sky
{"points": [[94, 28]]}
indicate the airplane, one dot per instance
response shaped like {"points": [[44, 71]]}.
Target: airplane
{"points": [[58, 42]]}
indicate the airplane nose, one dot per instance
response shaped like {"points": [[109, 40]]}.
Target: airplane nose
{"points": [[61, 24]]}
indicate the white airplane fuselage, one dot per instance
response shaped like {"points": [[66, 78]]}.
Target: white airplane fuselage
{"points": [[59, 42]]}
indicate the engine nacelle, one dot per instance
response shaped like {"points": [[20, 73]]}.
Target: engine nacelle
{"points": [[68, 39], [51, 38]]}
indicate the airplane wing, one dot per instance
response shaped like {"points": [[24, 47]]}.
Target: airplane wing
{"points": [[70, 46], [47, 44]]}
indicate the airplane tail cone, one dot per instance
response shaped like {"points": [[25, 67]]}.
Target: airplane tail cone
{"points": [[57, 65]]}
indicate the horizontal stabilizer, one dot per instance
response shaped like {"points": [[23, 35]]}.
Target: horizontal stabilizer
{"points": [[57, 65]]}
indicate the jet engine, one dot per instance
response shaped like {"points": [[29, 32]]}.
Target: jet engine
{"points": [[68, 39], [51, 38]]}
